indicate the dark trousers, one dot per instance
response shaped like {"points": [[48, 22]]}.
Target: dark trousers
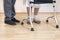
{"points": [[9, 9]]}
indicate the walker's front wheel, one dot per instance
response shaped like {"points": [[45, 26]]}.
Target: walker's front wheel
{"points": [[57, 26], [22, 23]]}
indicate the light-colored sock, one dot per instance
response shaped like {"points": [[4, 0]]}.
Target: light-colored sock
{"points": [[29, 18], [36, 18]]}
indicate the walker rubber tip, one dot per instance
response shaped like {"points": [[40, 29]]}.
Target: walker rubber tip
{"points": [[47, 21], [32, 29]]}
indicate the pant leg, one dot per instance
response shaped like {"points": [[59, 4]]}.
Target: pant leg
{"points": [[8, 9], [13, 8]]}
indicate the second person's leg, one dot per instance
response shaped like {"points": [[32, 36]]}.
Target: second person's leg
{"points": [[36, 18]]}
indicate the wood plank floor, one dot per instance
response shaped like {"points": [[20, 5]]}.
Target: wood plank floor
{"points": [[43, 31]]}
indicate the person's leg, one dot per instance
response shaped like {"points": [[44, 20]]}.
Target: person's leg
{"points": [[27, 7], [13, 12], [36, 18], [8, 12], [13, 8], [36, 11], [28, 11], [8, 9]]}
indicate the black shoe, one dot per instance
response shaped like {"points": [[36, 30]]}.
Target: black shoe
{"points": [[10, 22], [15, 20]]}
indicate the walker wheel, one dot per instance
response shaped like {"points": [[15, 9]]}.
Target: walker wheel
{"points": [[22, 23], [57, 26]]}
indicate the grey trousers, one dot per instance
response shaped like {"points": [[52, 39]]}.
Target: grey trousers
{"points": [[9, 9]]}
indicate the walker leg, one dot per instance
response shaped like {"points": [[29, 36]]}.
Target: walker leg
{"points": [[54, 16], [30, 15]]}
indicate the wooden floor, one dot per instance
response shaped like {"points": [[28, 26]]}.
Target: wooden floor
{"points": [[43, 31]]}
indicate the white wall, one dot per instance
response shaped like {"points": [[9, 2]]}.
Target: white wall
{"points": [[20, 8]]}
